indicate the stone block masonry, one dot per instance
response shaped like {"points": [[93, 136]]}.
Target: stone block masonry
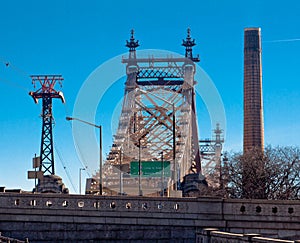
{"points": [[85, 218], [214, 235]]}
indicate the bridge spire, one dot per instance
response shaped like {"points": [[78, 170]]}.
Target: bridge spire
{"points": [[132, 44], [188, 43]]}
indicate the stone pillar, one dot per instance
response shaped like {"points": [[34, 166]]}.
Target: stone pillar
{"points": [[205, 235], [248, 237]]}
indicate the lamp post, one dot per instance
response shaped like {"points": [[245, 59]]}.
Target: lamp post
{"points": [[174, 147], [80, 169], [100, 147], [121, 181], [162, 173], [140, 169]]}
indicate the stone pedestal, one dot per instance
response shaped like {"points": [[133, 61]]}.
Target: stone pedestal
{"points": [[51, 184]]}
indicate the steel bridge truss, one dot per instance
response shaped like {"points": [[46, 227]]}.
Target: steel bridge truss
{"points": [[157, 117]]}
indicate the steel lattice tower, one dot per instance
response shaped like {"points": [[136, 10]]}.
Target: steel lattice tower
{"points": [[158, 115], [47, 92]]}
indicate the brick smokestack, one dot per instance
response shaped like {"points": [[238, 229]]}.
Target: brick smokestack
{"points": [[253, 102]]}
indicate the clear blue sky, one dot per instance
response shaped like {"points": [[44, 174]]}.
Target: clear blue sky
{"points": [[72, 38]]}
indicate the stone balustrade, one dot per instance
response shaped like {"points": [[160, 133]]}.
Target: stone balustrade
{"points": [[211, 235], [78, 218]]}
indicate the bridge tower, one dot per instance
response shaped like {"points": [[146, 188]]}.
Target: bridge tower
{"points": [[189, 72], [211, 154], [158, 117], [48, 181]]}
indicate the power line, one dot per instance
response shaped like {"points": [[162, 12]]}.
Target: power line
{"points": [[65, 167], [14, 84], [16, 69]]}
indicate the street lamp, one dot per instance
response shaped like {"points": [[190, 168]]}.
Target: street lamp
{"points": [[121, 180], [140, 170], [80, 169], [100, 146], [173, 132], [162, 173]]}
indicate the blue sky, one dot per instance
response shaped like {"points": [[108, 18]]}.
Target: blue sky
{"points": [[73, 38]]}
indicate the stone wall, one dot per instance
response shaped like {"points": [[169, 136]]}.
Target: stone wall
{"points": [[216, 236], [81, 218], [11, 240]]}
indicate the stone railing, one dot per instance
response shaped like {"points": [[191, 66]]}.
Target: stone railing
{"points": [[79, 218], [211, 235], [90, 203]]}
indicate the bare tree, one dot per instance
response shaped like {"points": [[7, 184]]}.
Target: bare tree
{"points": [[273, 174], [284, 180]]}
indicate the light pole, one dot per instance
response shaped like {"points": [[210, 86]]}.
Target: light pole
{"points": [[140, 169], [162, 173], [121, 181], [100, 146], [80, 169], [174, 147]]}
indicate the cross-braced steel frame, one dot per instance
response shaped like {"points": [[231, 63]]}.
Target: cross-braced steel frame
{"points": [[158, 115]]}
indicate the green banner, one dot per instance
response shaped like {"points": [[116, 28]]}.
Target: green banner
{"points": [[150, 168]]}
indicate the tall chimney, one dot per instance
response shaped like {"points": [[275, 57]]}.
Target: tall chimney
{"points": [[253, 102]]}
